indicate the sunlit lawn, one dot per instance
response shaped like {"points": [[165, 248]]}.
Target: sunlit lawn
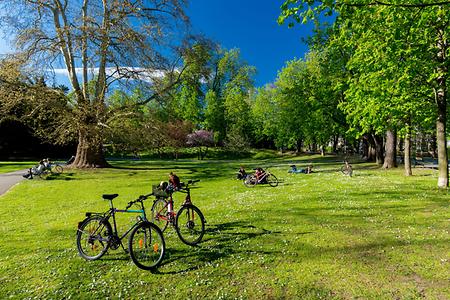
{"points": [[6, 167], [377, 235]]}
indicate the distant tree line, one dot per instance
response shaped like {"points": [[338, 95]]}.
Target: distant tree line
{"points": [[392, 64]]}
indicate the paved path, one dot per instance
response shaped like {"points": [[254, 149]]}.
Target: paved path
{"points": [[7, 180]]}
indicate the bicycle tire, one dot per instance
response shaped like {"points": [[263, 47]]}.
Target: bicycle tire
{"points": [[250, 181], [58, 169], [159, 207], [272, 180], [189, 230], [92, 237], [44, 174], [345, 170], [146, 246]]}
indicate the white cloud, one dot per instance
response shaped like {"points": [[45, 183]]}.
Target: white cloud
{"points": [[134, 73]]}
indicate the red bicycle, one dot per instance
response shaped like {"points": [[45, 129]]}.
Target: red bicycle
{"points": [[264, 177], [189, 222]]}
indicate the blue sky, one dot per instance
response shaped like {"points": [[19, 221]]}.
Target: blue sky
{"points": [[251, 26]]}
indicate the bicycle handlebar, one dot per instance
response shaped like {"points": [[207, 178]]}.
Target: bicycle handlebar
{"points": [[190, 181], [140, 199]]}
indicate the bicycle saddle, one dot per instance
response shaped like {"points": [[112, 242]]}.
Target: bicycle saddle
{"points": [[110, 196]]}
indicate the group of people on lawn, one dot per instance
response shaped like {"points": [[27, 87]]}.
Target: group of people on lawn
{"points": [[259, 172]]}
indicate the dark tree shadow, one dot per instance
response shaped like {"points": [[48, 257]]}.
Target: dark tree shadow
{"points": [[221, 242]]}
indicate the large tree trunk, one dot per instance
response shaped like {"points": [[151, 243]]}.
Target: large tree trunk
{"points": [[441, 101], [407, 158], [442, 142], [90, 150], [379, 153], [365, 148], [298, 147], [335, 143], [390, 148]]}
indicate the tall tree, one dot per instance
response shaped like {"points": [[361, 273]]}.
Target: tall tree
{"points": [[228, 88], [419, 50], [110, 41]]}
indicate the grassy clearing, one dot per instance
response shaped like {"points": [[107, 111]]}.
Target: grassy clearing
{"points": [[6, 167], [377, 235]]}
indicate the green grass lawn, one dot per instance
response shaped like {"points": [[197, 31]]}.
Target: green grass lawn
{"points": [[6, 167], [377, 235]]}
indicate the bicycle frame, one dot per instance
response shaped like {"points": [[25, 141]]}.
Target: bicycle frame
{"points": [[264, 175], [169, 205], [112, 213]]}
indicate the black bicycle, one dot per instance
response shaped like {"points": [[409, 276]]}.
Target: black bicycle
{"points": [[95, 235], [189, 221]]}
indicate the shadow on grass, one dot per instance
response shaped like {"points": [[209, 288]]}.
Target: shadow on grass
{"points": [[222, 241], [63, 176]]}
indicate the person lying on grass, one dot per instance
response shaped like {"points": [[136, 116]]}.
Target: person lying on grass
{"points": [[294, 170], [36, 170]]}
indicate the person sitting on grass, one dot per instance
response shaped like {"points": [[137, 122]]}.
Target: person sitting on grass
{"points": [[259, 174], [174, 180], [241, 173], [294, 169]]}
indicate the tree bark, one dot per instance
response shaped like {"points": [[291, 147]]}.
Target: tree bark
{"points": [[298, 146], [390, 150], [407, 153], [365, 148], [441, 102], [378, 148], [90, 150], [442, 140]]}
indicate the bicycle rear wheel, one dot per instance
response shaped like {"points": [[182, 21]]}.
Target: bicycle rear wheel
{"points": [[250, 181], [146, 246], [272, 180], [190, 225], [159, 213], [92, 237]]}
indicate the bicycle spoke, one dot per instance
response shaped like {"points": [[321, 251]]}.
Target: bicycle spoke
{"points": [[146, 246], [190, 225], [92, 238]]}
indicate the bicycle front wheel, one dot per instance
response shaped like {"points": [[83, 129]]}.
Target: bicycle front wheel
{"points": [[44, 174], [159, 213], [146, 246], [92, 237], [190, 225], [272, 180], [57, 169], [250, 181]]}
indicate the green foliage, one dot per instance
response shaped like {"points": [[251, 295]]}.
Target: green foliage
{"points": [[388, 87], [377, 235], [213, 92], [25, 97], [227, 103], [301, 106]]}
